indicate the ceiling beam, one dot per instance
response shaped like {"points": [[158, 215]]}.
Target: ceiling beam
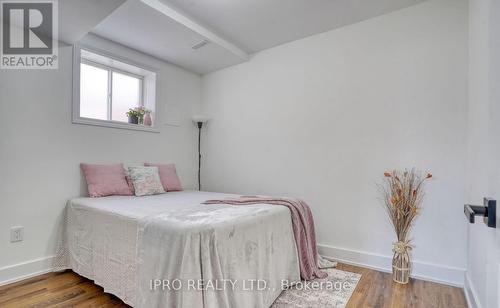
{"points": [[196, 27]]}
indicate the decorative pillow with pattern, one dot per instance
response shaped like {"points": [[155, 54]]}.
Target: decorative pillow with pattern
{"points": [[146, 181]]}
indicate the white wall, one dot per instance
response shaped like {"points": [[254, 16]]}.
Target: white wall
{"points": [[323, 117], [483, 164], [40, 149]]}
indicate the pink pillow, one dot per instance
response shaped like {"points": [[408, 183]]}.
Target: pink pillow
{"points": [[168, 176], [106, 180]]}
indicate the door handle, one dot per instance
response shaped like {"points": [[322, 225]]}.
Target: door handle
{"points": [[488, 210]]}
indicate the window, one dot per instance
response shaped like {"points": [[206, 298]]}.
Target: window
{"points": [[106, 94], [106, 89]]}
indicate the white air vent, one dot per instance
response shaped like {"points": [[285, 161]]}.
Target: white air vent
{"points": [[200, 44]]}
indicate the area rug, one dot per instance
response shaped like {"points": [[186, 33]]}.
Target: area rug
{"points": [[332, 291]]}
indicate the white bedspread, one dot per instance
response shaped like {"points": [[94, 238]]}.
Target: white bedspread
{"points": [[125, 243]]}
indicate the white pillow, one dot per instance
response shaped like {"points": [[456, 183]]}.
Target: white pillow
{"points": [[146, 180]]}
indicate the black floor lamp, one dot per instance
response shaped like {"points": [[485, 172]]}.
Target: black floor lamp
{"points": [[199, 121]]}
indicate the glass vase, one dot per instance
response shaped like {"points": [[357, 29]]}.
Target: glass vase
{"points": [[401, 263]]}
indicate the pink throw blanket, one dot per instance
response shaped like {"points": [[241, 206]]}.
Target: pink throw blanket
{"points": [[303, 230]]}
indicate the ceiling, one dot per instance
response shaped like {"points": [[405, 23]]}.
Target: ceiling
{"points": [[167, 29], [136, 25], [77, 17], [255, 25]]}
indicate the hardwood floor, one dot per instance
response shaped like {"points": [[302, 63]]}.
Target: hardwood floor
{"points": [[375, 289]]}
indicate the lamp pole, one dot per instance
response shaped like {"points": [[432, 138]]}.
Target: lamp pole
{"points": [[200, 125], [199, 121]]}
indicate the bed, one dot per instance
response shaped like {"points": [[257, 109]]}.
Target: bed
{"points": [[170, 250]]}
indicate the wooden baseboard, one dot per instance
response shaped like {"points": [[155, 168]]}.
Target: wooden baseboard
{"points": [[470, 293], [426, 271], [439, 273], [24, 270]]}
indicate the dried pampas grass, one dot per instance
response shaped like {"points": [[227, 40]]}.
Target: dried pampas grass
{"points": [[403, 192]]}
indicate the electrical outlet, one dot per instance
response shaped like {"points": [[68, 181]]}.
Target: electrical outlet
{"points": [[16, 234]]}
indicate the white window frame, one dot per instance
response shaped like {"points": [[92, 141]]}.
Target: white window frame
{"points": [[77, 60], [110, 71]]}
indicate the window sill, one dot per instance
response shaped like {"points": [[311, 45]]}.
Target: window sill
{"points": [[116, 124]]}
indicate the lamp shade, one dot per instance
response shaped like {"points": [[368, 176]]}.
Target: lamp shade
{"points": [[200, 119]]}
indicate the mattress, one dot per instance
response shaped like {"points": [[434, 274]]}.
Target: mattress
{"points": [[127, 244]]}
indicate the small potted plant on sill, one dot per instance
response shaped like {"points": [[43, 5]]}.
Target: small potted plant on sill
{"points": [[136, 115]]}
